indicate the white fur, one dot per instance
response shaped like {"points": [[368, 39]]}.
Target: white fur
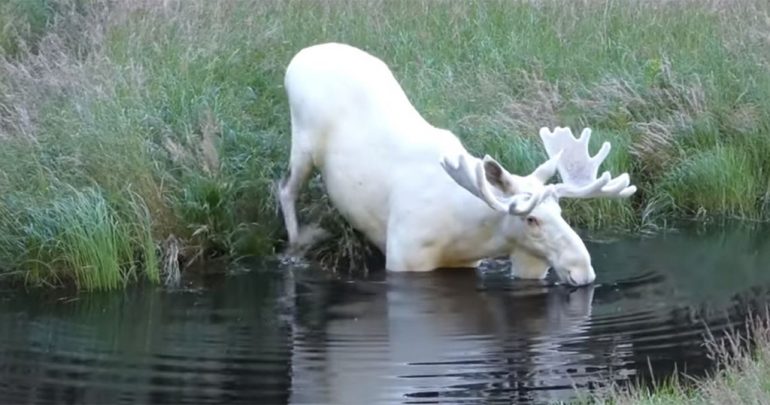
{"points": [[380, 163]]}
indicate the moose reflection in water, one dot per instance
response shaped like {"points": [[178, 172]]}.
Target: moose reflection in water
{"points": [[462, 335], [277, 334], [443, 335]]}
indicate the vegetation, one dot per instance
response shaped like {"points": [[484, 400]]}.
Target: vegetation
{"points": [[128, 129], [742, 376], [80, 236]]}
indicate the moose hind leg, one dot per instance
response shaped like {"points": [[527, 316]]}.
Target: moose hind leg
{"points": [[300, 167]]}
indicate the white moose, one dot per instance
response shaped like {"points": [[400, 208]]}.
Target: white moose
{"points": [[414, 191]]}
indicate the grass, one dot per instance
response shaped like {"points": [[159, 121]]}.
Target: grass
{"points": [[169, 119], [78, 236], [742, 374]]}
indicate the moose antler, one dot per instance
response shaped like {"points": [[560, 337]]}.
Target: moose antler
{"points": [[578, 169], [471, 176]]}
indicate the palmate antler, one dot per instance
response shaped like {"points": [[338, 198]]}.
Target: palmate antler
{"points": [[578, 169], [570, 156], [470, 175]]}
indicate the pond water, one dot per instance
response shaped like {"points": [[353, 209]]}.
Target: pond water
{"points": [[269, 333]]}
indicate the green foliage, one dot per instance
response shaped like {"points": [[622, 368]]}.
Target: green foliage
{"points": [[182, 103], [78, 237], [22, 23], [718, 180]]}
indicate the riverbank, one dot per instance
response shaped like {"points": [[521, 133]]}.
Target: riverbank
{"points": [[741, 377], [137, 133]]}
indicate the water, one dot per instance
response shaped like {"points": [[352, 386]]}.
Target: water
{"points": [[270, 334]]}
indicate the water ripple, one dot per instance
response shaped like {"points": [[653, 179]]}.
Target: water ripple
{"points": [[293, 335]]}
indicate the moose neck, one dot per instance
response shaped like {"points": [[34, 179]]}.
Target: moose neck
{"points": [[483, 233], [500, 236]]}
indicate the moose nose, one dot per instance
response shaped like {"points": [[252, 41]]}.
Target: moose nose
{"points": [[578, 279]]}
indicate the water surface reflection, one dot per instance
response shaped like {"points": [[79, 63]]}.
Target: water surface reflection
{"points": [[273, 334]]}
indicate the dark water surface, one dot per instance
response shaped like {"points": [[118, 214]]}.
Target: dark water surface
{"points": [[277, 334]]}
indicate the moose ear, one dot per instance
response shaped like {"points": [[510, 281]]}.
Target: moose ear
{"points": [[496, 175]]}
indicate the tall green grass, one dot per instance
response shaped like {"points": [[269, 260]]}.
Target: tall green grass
{"points": [[78, 236], [23, 23], [182, 103]]}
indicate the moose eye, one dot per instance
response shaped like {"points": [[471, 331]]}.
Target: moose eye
{"points": [[532, 221]]}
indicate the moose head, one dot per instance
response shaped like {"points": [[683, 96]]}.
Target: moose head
{"points": [[540, 237]]}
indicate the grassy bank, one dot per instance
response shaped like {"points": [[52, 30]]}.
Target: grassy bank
{"points": [[165, 124], [742, 374]]}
